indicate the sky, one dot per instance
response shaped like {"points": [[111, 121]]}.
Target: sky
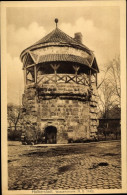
{"points": [[100, 27]]}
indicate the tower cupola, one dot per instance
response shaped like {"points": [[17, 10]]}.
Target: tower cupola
{"points": [[60, 75]]}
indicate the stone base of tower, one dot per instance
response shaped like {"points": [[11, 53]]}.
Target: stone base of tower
{"points": [[55, 118]]}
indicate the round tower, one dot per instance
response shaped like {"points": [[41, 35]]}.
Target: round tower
{"points": [[59, 100]]}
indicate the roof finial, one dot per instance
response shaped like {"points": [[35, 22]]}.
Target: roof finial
{"points": [[56, 21]]}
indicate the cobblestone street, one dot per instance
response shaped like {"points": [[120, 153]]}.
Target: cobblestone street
{"points": [[76, 166]]}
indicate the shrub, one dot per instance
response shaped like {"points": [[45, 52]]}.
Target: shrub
{"points": [[14, 135]]}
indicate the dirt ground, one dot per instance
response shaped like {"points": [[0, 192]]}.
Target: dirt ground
{"points": [[95, 165]]}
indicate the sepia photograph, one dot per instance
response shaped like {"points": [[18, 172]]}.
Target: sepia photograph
{"points": [[63, 97]]}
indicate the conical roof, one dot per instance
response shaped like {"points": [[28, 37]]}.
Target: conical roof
{"points": [[58, 36]]}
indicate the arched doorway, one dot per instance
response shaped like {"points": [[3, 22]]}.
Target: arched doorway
{"points": [[50, 135]]}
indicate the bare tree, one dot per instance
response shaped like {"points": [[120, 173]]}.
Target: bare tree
{"points": [[106, 98], [14, 115], [109, 89], [114, 78]]}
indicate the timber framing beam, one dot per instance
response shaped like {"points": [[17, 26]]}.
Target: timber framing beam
{"points": [[26, 73], [30, 65]]}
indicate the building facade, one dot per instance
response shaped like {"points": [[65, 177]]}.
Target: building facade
{"points": [[60, 95]]}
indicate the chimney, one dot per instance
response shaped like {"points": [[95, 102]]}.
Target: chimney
{"points": [[78, 37]]}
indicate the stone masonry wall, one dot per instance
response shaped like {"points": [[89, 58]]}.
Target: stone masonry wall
{"points": [[67, 106], [70, 117], [93, 112]]}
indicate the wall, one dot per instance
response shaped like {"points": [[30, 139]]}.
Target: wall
{"points": [[70, 117], [67, 106], [59, 50]]}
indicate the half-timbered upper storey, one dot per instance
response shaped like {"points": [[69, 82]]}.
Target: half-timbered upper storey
{"points": [[58, 53]]}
